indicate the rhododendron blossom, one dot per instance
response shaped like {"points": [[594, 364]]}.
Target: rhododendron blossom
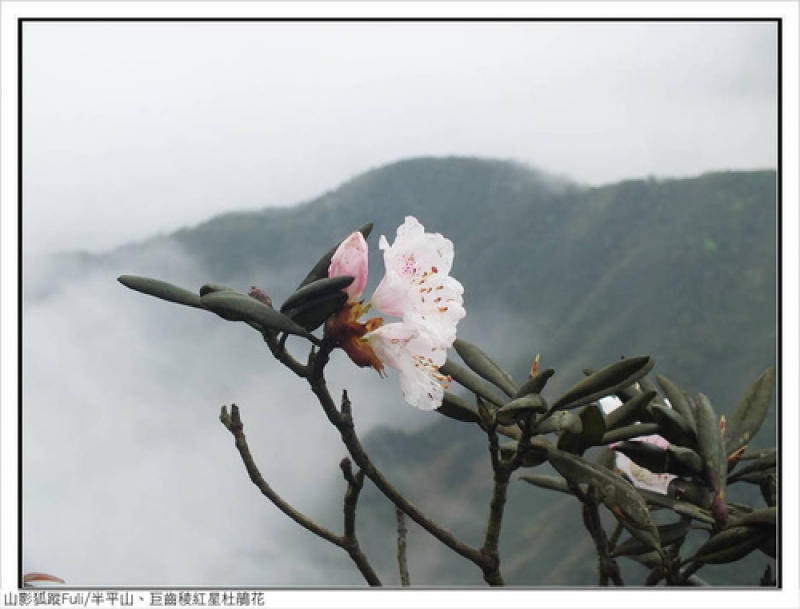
{"points": [[418, 289], [640, 476]]}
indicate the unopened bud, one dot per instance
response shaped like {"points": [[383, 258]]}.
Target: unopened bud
{"points": [[260, 295]]}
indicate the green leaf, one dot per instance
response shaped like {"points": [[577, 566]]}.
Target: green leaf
{"points": [[535, 384], [731, 544], [604, 382], [750, 413], [767, 462], [690, 491], [485, 366], [561, 421], [649, 456], [161, 289], [684, 508], [679, 399], [320, 270], [763, 517], [520, 409], [311, 315], [769, 490], [617, 494], [234, 306], [465, 378], [668, 534], [455, 408], [628, 411], [690, 463], [208, 288], [549, 482], [673, 427], [534, 455], [628, 432], [711, 444], [316, 290], [593, 426]]}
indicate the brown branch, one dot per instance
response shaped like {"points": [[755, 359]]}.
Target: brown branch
{"points": [[234, 424], [355, 482], [402, 562], [607, 567], [347, 542], [502, 474], [343, 421]]}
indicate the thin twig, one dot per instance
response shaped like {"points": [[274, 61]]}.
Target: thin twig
{"points": [[402, 561], [355, 482], [491, 540], [347, 542], [233, 423], [278, 349], [343, 422], [607, 567]]}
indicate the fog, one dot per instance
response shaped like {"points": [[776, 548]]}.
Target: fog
{"points": [[137, 129], [134, 128], [129, 478]]}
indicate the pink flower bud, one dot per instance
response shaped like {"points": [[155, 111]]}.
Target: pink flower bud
{"points": [[351, 258]]}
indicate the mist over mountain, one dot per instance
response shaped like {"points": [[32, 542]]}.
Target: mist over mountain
{"points": [[683, 270]]}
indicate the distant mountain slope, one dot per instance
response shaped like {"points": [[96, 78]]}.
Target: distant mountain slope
{"points": [[683, 270]]}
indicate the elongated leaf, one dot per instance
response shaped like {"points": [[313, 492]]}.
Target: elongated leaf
{"points": [[646, 386], [691, 492], [769, 490], [215, 287], [238, 307], [534, 455], [712, 448], [627, 412], [520, 409], [673, 427], [311, 315], [455, 408], [604, 382], [161, 289], [316, 290], [535, 384], [471, 381], [668, 534], [763, 517], [549, 482], [690, 463], [561, 421], [766, 462], [649, 456], [628, 432], [730, 545], [320, 270], [593, 426], [483, 365], [683, 508], [678, 398], [750, 413], [619, 496]]}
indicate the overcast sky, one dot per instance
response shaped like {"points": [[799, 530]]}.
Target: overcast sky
{"points": [[136, 128]]}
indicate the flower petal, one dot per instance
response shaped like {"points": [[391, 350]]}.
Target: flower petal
{"points": [[416, 357], [410, 260], [351, 258], [641, 477]]}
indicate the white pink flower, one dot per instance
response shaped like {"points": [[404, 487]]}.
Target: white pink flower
{"points": [[641, 477], [418, 289]]}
